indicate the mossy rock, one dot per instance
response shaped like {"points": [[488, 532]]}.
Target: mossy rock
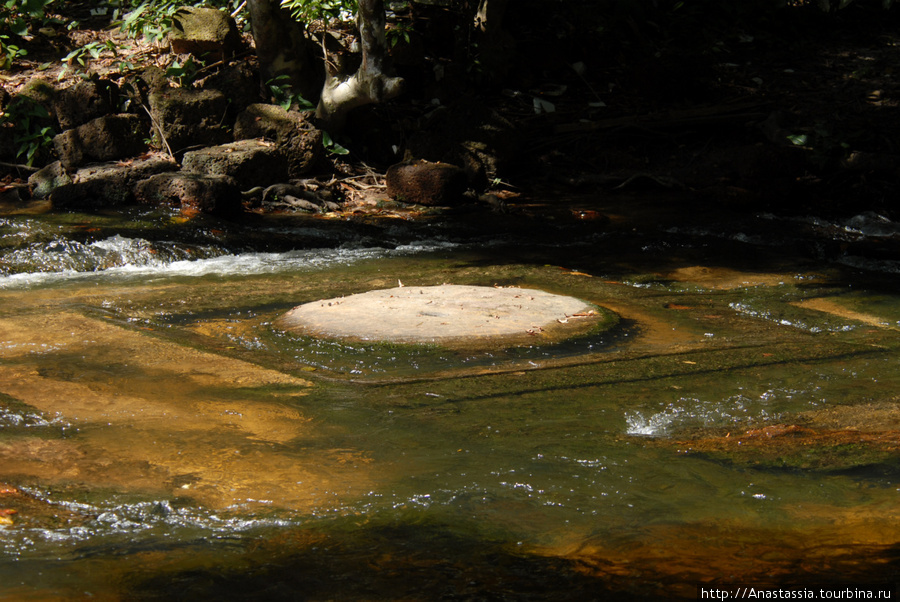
{"points": [[201, 31]]}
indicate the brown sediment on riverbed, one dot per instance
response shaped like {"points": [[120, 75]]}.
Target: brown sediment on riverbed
{"points": [[834, 307], [794, 446]]}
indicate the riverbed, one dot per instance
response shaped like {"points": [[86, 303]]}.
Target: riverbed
{"points": [[161, 438]]}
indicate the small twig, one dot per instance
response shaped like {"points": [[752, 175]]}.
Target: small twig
{"points": [[19, 166], [224, 61], [359, 186], [238, 10], [159, 129]]}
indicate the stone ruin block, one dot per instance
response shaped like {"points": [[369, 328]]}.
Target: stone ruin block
{"points": [[107, 184], [204, 32], [292, 132], [185, 118], [192, 193], [85, 101], [102, 139], [251, 162]]}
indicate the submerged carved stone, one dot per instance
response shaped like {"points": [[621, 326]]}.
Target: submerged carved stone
{"points": [[457, 316]]}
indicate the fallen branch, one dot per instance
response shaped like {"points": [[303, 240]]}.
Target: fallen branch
{"points": [[159, 129], [19, 166]]}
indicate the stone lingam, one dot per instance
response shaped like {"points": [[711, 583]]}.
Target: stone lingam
{"points": [[450, 315]]}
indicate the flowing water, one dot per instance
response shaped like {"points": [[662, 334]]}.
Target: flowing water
{"points": [[161, 439]]}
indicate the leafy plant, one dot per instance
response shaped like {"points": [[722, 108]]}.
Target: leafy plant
{"points": [[185, 74], [398, 32], [315, 10], [17, 15], [28, 119], [285, 97], [17, 18], [332, 147], [151, 20], [9, 52]]}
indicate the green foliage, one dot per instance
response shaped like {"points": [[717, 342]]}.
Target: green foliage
{"points": [[397, 33], [184, 74], [28, 119], [151, 20], [9, 52], [80, 56], [332, 147], [17, 17], [284, 96], [306, 11]]}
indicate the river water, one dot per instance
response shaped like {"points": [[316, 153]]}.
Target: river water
{"points": [[161, 439]]}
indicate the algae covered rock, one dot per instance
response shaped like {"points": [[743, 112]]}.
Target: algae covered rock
{"points": [[48, 179], [108, 184], [192, 193], [292, 132], [86, 100], [183, 118], [102, 139], [251, 162], [204, 31]]}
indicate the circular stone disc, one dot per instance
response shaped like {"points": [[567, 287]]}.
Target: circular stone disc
{"points": [[449, 315]]}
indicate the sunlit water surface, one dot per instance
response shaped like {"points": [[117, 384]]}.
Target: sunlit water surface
{"points": [[160, 438]]}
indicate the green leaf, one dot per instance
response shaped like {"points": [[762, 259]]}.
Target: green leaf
{"points": [[333, 147], [798, 139], [19, 26]]}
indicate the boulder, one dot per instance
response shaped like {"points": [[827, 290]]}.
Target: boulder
{"points": [[149, 79], [108, 184], [239, 81], [292, 132], [186, 118], [102, 139], [251, 162], [48, 179], [204, 31], [86, 100], [425, 183], [192, 193]]}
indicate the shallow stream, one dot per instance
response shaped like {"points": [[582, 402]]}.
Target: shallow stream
{"points": [[161, 439]]}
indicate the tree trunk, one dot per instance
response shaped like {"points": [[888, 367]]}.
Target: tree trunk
{"points": [[283, 49], [370, 84], [496, 47], [489, 17]]}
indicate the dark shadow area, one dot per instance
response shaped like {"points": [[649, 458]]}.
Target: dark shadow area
{"points": [[399, 562], [428, 562]]}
